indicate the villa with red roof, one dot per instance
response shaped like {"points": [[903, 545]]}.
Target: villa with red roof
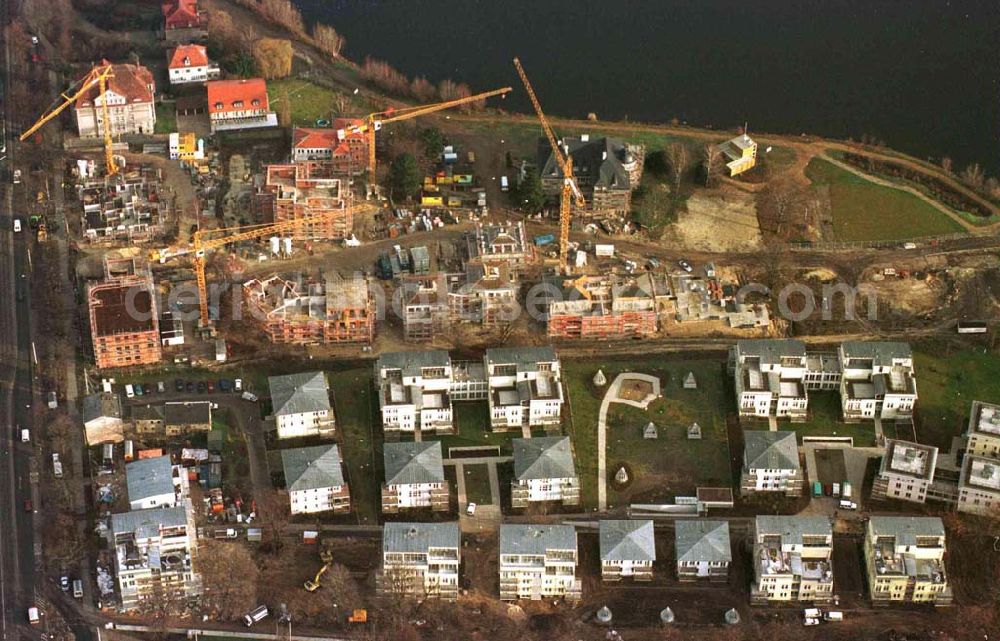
{"points": [[189, 63], [239, 104], [333, 151], [130, 100], [182, 21]]}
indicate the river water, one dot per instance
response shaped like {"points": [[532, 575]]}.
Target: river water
{"points": [[924, 75]]}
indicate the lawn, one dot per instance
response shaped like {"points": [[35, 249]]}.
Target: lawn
{"points": [[361, 442], [671, 464], [477, 484], [473, 422], [863, 210], [948, 380], [824, 420], [310, 102], [166, 118]]}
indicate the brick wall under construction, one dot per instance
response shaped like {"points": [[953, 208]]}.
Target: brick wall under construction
{"points": [[123, 324], [608, 326]]}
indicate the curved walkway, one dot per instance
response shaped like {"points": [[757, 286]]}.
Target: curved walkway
{"points": [[602, 426]]}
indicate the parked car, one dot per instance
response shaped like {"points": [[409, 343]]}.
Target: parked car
{"points": [[137, 388], [225, 385], [64, 583], [17, 225], [78, 589], [189, 387], [211, 387], [247, 396], [470, 509], [238, 385], [161, 387], [129, 391], [147, 389], [202, 388], [848, 505], [27, 506], [686, 266], [179, 385]]}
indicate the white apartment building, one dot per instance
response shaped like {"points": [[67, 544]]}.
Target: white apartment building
{"points": [[155, 482], [414, 391], [904, 558], [983, 433], [628, 549], [420, 559], [979, 486], [544, 471], [877, 382], [414, 477], [525, 387], [770, 463], [906, 471], [770, 379], [315, 480], [189, 63], [703, 550], [153, 552], [301, 404], [538, 562], [792, 559]]}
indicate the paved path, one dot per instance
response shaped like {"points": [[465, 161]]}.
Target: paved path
{"points": [[487, 517], [602, 426]]}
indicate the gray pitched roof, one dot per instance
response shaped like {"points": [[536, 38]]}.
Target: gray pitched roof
{"points": [[526, 358], [148, 522], [546, 457], [771, 350], [187, 412], [793, 528], [623, 540], [104, 404], [149, 477], [409, 463], [881, 352], [597, 160], [419, 537], [906, 529], [702, 541], [410, 363], [298, 393], [770, 450], [516, 538], [312, 468]]}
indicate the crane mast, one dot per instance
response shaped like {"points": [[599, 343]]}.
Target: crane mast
{"points": [[570, 193]]}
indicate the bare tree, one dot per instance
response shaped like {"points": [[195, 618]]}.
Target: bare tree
{"points": [[422, 89], [340, 102], [712, 163], [946, 164], [328, 40], [677, 157], [229, 576], [974, 176], [273, 514]]}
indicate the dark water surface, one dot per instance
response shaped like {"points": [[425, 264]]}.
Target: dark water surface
{"points": [[921, 74]]}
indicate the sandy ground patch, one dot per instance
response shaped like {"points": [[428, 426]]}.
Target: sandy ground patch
{"points": [[721, 222], [911, 294]]}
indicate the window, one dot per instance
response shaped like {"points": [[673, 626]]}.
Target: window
{"points": [[255, 102]]}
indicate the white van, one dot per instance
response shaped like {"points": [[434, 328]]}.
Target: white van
{"points": [[255, 615], [129, 391], [25, 436], [834, 616], [78, 589], [33, 615]]}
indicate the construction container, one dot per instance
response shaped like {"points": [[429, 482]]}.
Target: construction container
{"points": [[420, 260], [287, 243], [309, 537], [817, 488], [275, 243], [546, 239]]}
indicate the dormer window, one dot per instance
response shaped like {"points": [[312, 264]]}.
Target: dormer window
{"points": [[219, 105], [238, 104], [255, 102], [187, 61]]}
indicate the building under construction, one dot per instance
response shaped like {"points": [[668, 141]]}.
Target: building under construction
{"points": [[432, 303], [131, 206], [505, 244], [329, 309], [124, 323], [289, 193], [607, 307], [607, 170]]}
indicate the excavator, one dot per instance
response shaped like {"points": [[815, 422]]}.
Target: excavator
{"points": [[313, 584]]}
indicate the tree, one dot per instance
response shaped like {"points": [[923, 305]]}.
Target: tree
{"points": [[422, 89], [530, 194], [273, 57], [448, 90], [779, 204], [712, 163], [656, 163], [974, 176], [677, 158], [404, 176], [433, 142], [328, 40], [946, 164], [272, 512], [229, 576]]}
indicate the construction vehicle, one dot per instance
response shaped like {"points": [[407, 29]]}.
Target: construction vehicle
{"points": [[358, 616], [374, 121], [99, 76], [313, 584], [201, 243], [571, 194]]}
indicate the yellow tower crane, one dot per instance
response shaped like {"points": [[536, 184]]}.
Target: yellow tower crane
{"points": [[374, 121], [571, 193], [201, 244], [98, 76]]}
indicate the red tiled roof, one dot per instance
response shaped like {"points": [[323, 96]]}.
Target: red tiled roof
{"points": [[223, 94], [307, 138], [133, 82], [180, 13], [196, 56]]}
